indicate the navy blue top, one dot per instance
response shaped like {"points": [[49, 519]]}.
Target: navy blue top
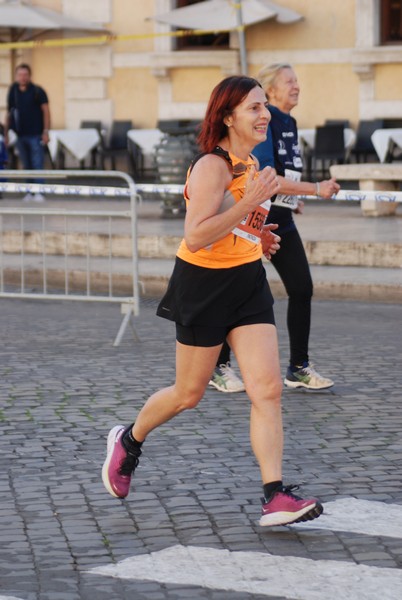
{"points": [[265, 151], [29, 105], [281, 151], [3, 153]]}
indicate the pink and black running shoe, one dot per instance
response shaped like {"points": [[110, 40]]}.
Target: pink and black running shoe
{"points": [[120, 463], [284, 508]]}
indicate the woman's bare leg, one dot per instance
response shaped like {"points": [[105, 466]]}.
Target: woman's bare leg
{"points": [[256, 350], [194, 366]]}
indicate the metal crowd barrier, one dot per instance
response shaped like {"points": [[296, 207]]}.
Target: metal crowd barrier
{"points": [[129, 303]]}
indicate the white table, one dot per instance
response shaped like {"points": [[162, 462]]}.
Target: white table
{"points": [[12, 137], [12, 146], [79, 142], [383, 139], [146, 140], [307, 138]]}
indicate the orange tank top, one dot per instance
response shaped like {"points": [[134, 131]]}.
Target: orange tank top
{"points": [[243, 244]]}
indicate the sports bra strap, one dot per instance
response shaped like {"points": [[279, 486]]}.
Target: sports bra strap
{"points": [[218, 151]]}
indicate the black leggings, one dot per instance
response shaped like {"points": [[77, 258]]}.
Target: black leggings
{"points": [[291, 264]]}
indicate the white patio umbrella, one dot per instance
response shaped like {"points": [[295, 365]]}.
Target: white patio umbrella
{"points": [[226, 15], [20, 21]]}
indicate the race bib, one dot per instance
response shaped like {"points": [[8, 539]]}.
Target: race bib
{"points": [[251, 226], [283, 200]]}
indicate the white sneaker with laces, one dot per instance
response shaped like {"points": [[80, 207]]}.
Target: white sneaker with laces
{"points": [[28, 197], [224, 379], [38, 197], [307, 377]]}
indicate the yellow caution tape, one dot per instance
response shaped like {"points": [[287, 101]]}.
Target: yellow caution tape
{"points": [[109, 38]]}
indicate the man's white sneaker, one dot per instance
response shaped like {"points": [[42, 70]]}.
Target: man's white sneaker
{"points": [[225, 379], [38, 198], [28, 197], [307, 377]]}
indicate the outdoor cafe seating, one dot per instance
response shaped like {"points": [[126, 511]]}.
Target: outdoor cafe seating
{"points": [[336, 143], [115, 145], [123, 146], [143, 144], [325, 145], [90, 145], [67, 147]]}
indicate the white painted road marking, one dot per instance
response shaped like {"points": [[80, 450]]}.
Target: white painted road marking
{"points": [[258, 573], [359, 516], [263, 573]]}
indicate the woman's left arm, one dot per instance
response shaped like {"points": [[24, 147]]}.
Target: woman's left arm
{"points": [[322, 189]]}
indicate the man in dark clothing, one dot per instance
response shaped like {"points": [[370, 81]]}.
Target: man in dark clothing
{"points": [[29, 116]]}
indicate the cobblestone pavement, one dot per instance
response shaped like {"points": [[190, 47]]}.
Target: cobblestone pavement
{"points": [[63, 385]]}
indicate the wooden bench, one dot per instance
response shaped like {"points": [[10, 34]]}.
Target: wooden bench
{"points": [[372, 176]]}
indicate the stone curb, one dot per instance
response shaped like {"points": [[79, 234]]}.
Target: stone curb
{"points": [[342, 253], [154, 285]]}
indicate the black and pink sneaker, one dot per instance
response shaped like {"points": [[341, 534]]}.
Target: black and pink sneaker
{"points": [[120, 463], [284, 508]]}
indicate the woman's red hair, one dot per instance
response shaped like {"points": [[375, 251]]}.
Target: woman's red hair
{"points": [[228, 94]]}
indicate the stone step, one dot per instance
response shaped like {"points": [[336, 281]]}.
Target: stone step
{"points": [[351, 256], [376, 284], [319, 252]]}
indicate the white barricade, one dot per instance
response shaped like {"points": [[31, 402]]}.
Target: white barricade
{"points": [[163, 188], [129, 303], [342, 195]]}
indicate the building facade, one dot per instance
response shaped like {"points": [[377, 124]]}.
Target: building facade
{"points": [[347, 55]]}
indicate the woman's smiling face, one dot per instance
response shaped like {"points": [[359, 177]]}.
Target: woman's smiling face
{"points": [[249, 120]]}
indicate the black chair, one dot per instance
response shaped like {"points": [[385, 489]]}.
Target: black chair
{"points": [[138, 169], [363, 147], [170, 126], [179, 126], [94, 153], [91, 125], [117, 144], [394, 152], [329, 147], [12, 156], [392, 123], [195, 125], [343, 122]]}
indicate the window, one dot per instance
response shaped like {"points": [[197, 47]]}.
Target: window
{"points": [[391, 21], [197, 42]]}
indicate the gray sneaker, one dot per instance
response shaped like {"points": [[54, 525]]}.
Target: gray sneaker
{"points": [[307, 377], [224, 379]]}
